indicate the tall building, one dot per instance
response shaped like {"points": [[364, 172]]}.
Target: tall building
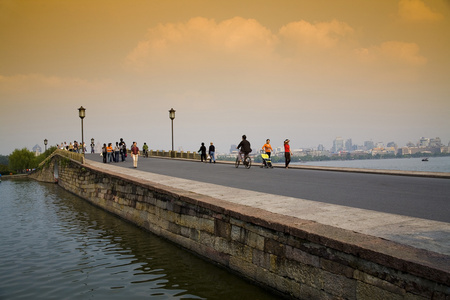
{"points": [[369, 145], [338, 144], [348, 145], [436, 142], [423, 142]]}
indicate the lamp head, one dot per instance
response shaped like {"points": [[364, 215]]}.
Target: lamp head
{"points": [[172, 114], [82, 112]]}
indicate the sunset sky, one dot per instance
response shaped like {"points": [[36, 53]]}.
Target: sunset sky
{"points": [[305, 70]]}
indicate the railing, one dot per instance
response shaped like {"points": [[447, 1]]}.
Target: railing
{"points": [[71, 155], [174, 154]]}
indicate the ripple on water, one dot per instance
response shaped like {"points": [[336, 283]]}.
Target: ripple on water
{"points": [[57, 246]]}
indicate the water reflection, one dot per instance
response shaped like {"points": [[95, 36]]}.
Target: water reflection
{"points": [[56, 245]]}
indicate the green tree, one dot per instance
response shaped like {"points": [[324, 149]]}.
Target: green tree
{"points": [[22, 159], [3, 160], [44, 155], [4, 170]]}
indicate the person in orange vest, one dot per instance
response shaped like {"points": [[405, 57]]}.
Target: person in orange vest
{"points": [[267, 149], [109, 150]]}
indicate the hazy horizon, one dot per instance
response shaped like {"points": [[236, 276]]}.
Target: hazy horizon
{"points": [[307, 71]]}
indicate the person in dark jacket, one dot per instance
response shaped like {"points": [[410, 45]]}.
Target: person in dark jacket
{"points": [[202, 152], [244, 147], [104, 153]]}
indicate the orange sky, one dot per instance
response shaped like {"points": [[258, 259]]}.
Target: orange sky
{"points": [[305, 70]]}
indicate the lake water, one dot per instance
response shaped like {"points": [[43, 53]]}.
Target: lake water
{"points": [[55, 245], [434, 164]]}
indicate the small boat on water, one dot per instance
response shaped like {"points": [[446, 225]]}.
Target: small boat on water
{"points": [[425, 159]]}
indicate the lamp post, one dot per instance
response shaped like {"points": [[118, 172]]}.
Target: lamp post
{"points": [[172, 116], [45, 143], [92, 145], [82, 114]]}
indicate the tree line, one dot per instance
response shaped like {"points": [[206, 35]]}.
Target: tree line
{"points": [[21, 160]]}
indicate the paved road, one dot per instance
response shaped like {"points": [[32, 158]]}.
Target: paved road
{"points": [[426, 198]]}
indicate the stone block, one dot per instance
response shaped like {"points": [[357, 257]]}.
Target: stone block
{"points": [[206, 239], [377, 282], [254, 240], [302, 257], [222, 245], [336, 268], [237, 234], [222, 229], [274, 247], [338, 285], [261, 259], [244, 267], [365, 291]]}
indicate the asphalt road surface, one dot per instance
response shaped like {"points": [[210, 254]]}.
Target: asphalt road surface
{"points": [[420, 197]]}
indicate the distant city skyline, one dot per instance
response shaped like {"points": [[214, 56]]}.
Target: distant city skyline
{"points": [[369, 144], [305, 70]]}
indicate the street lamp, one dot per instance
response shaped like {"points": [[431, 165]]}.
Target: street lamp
{"points": [[82, 114], [45, 143], [172, 116]]}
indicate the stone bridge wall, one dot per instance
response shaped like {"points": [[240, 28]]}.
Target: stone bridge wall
{"points": [[296, 258]]}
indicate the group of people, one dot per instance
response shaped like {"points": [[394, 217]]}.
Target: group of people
{"points": [[245, 149], [75, 147], [119, 152], [211, 153], [115, 153]]}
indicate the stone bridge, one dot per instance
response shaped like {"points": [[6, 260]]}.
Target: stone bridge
{"points": [[293, 257]]}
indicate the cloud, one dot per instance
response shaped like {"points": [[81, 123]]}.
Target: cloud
{"points": [[323, 35], [241, 49], [392, 52], [417, 11], [201, 41], [26, 84]]}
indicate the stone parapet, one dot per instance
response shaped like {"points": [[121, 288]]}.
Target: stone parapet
{"points": [[174, 154], [296, 258]]}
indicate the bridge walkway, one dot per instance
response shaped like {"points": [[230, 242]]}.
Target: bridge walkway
{"points": [[416, 232]]}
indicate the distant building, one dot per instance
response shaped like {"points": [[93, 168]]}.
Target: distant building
{"points": [[391, 145], [233, 148], [423, 142], [338, 144], [37, 150], [369, 145], [436, 142], [348, 145]]}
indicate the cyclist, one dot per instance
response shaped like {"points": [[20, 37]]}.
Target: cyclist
{"points": [[244, 147], [145, 149]]}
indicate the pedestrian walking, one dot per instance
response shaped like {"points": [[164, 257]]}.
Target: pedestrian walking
{"points": [[123, 149], [116, 152], [212, 152], [202, 152], [287, 153], [109, 151], [135, 154], [104, 153]]}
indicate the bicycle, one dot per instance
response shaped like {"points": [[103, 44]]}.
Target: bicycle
{"points": [[247, 161]]}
